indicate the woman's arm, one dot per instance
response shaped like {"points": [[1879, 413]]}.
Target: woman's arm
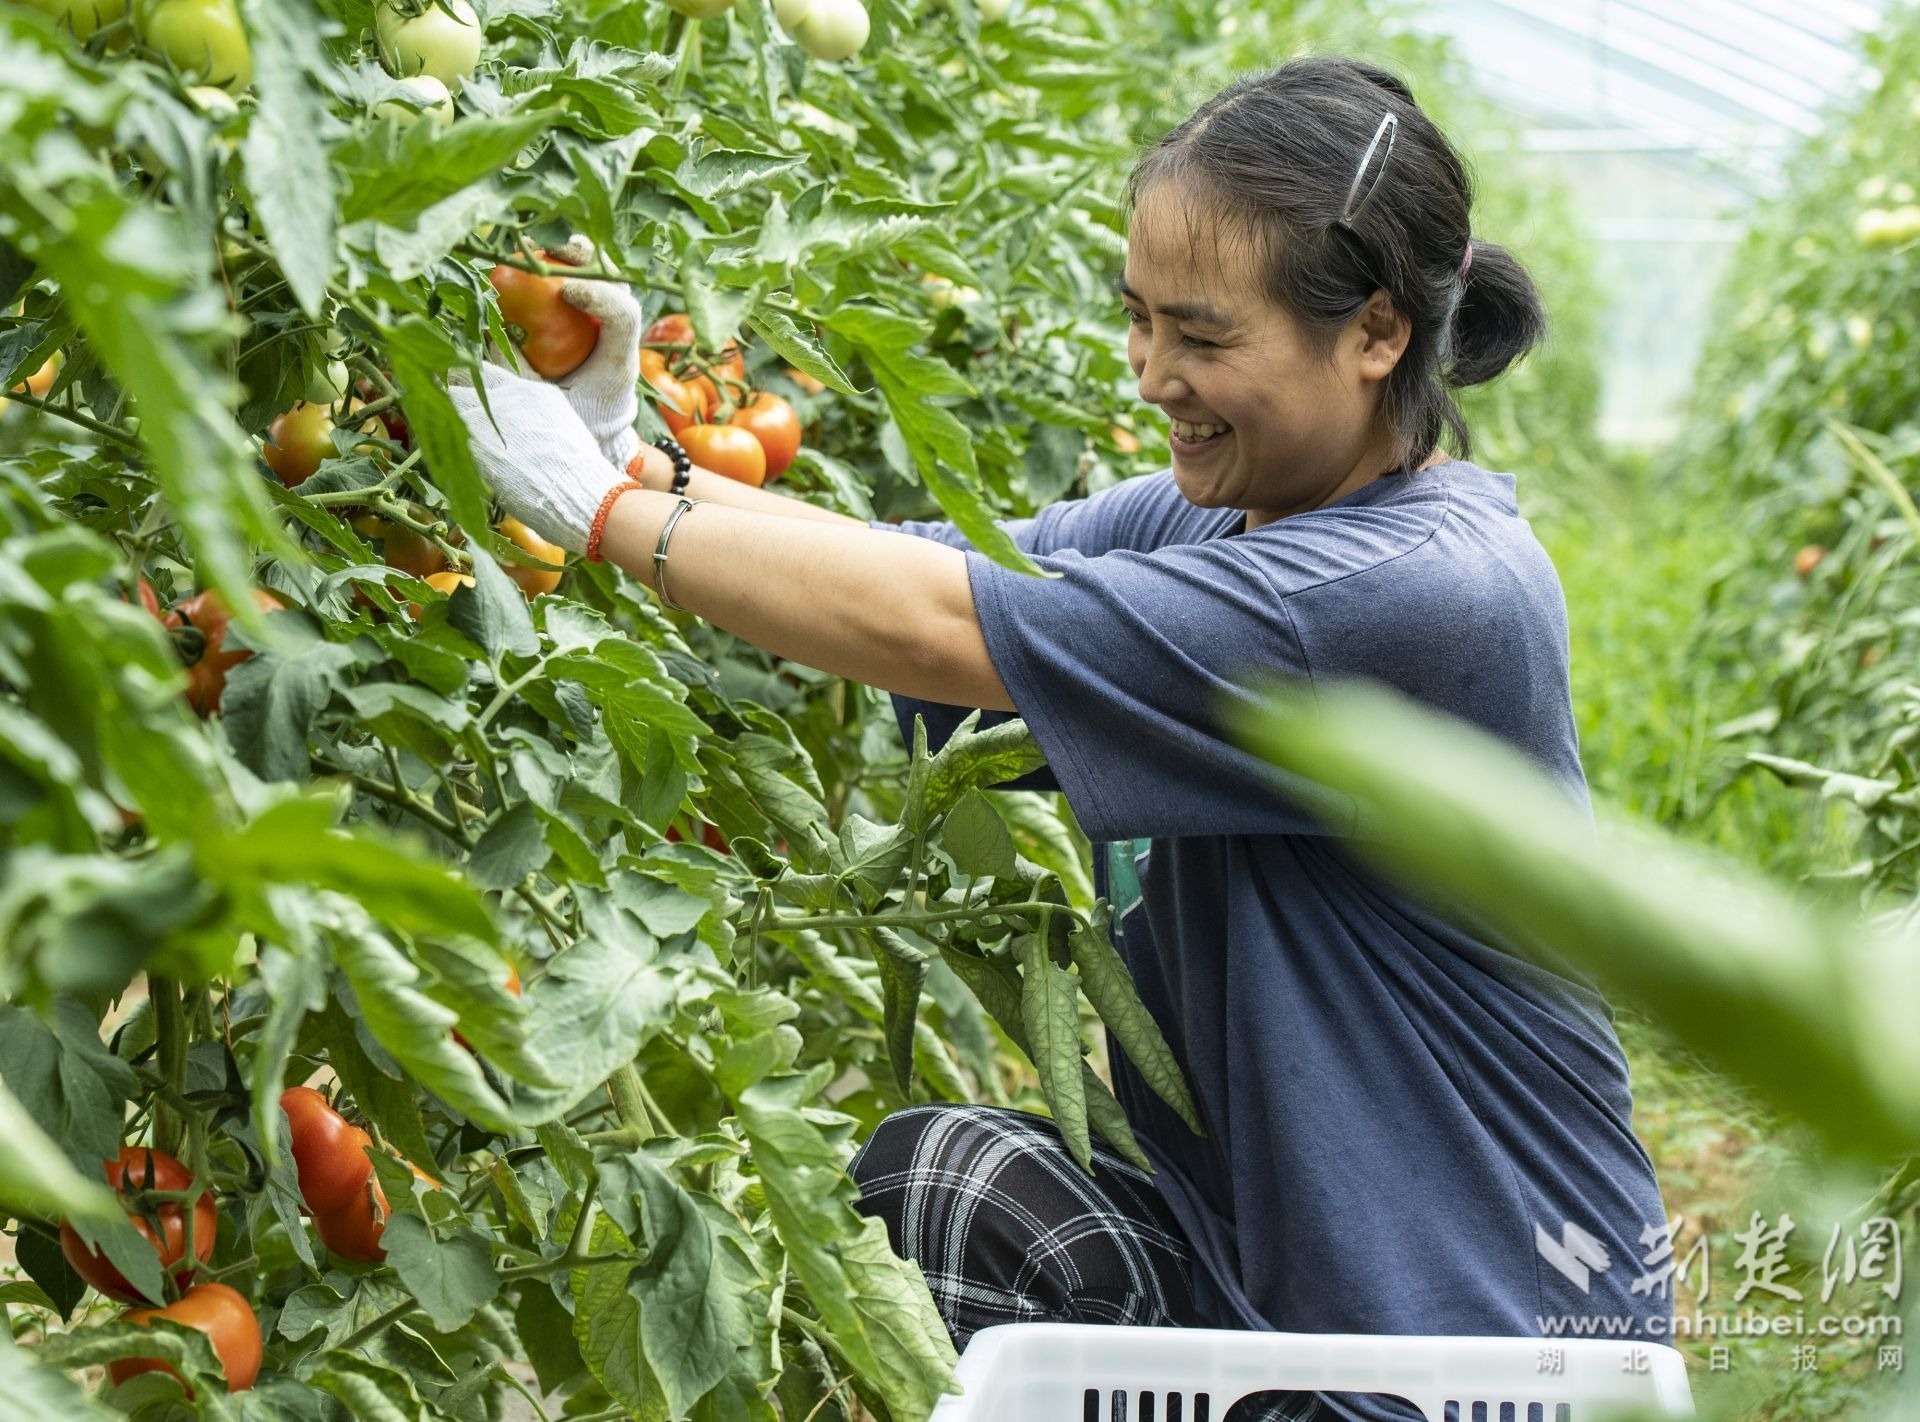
{"points": [[656, 472], [895, 613]]}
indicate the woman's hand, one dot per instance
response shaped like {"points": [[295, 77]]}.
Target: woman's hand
{"points": [[535, 452], [603, 390]]}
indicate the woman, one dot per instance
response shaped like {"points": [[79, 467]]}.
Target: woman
{"points": [[1408, 1130]]}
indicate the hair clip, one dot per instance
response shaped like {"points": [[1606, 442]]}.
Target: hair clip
{"points": [[1389, 129]]}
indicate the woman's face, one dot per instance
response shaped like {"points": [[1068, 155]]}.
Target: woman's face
{"points": [[1258, 422]]}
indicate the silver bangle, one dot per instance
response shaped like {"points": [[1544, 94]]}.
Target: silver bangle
{"points": [[660, 552]]}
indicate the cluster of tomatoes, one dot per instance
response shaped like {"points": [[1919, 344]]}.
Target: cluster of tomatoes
{"points": [[724, 424], [338, 1188], [157, 1190], [430, 45], [337, 1185]]}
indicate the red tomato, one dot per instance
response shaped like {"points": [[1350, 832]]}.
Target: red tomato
{"points": [[329, 1151], [353, 1231], [694, 400], [775, 425], [709, 835], [223, 1315], [554, 335], [728, 450], [208, 611], [133, 1170]]}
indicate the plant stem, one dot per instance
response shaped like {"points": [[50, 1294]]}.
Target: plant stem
{"points": [[779, 923], [86, 422], [170, 1042], [630, 1101]]}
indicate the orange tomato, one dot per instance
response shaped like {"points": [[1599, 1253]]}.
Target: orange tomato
{"points": [[728, 450], [208, 612], [221, 1313], [773, 422], [554, 335], [681, 403], [444, 582], [1807, 559], [41, 381], [532, 581], [804, 381]]}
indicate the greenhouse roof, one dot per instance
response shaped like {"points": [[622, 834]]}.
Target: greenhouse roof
{"points": [[1734, 82]]}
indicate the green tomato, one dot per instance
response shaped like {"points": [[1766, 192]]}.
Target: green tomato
{"points": [[422, 96], [700, 9], [432, 42], [791, 12], [203, 39], [833, 29], [992, 12], [83, 17]]}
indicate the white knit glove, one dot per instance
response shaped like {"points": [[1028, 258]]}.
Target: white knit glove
{"points": [[535, 453], [603, 390]]}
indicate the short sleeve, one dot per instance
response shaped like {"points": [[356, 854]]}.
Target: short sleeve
{"points": [[1121, 665], [1090, 526]]}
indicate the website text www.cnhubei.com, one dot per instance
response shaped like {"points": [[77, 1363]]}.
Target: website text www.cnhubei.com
{"points": [[1736, 1324]]}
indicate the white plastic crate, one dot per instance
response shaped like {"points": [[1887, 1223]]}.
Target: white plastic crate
{"points": [[1071, 1372]]}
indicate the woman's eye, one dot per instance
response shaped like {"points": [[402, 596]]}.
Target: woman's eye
{"points": [[1197, 343], [1134, 317]]}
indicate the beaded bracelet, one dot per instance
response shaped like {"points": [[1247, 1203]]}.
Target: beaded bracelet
{"points": [[682, 465], [599, 529]]}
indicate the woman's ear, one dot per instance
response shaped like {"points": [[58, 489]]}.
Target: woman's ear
{"points": [[1379, 336]]}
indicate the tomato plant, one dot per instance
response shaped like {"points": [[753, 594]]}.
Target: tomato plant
{"points": [[395, 819]]}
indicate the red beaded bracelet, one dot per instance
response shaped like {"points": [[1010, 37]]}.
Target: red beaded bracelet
{"points": [[599, 528]]}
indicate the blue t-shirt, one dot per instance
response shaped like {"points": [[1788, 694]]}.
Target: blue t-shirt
{"points": [[1409, 1129]]}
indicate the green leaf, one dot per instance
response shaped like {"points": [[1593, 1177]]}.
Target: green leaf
{"points": [[422, 354], [802, 1168], [289, 179], [903, 970], [1050, 1011], [1813, 1011], [294, 841], [36, 1178], [798, 348], [699, 1293], [976, 838], [606, 1325], [452, 1277], [1109, 987], [973, 758], [393, 175]]}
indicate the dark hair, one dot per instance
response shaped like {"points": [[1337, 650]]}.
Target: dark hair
{"points": [[1276, 153]]}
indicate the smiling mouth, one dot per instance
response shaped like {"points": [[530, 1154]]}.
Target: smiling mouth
{"points": [[1190, 439]]}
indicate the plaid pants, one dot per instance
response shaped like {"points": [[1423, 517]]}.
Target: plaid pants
{"points": [[1008, 1229]]}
